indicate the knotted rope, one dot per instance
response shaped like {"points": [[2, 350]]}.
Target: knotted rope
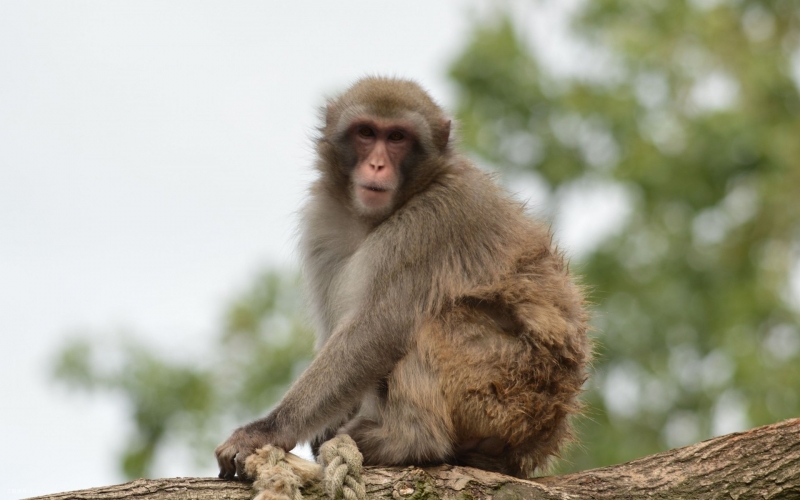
{"points": [[342, 464], [278, 475]]}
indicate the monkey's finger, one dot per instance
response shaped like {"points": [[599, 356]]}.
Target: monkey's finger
{"points": [[227, 472], [227, 469]]}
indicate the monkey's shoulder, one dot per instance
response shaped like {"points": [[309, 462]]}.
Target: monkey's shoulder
{"points": [[464, 208]]}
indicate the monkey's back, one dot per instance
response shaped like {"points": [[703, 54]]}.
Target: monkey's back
{"points": [[510, 351]]}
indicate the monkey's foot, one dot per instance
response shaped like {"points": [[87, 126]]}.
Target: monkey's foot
{"points": [[278, 475], [342, 464]]}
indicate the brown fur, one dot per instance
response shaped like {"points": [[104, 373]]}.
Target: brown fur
{"points": [[449, 329]]}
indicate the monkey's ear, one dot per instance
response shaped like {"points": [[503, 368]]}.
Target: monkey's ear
{"points": [[442, 135]]}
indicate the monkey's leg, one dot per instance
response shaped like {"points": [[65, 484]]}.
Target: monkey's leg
{"points": [[413, 424], [278, 475]]}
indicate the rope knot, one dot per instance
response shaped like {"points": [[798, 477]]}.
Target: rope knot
{"points": [[342, 464]]}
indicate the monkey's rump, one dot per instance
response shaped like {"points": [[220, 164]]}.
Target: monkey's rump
{"points": [[510, 358]]}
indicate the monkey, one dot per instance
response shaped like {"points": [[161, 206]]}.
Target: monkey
{"points": [[449, 328]]}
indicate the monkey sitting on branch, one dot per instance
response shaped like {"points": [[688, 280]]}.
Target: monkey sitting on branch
{"points": [[449, 329]]}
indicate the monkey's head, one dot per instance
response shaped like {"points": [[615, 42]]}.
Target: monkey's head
{"points": [[383, 141]]}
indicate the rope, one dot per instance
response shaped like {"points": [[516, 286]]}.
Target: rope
{"points": [[274, 477], [342, 464], [279, 475]]}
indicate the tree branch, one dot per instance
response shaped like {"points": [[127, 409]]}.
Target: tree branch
{"points": [[761, 463]]}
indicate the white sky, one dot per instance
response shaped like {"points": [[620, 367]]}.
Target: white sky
{"points": [[152, 157]]}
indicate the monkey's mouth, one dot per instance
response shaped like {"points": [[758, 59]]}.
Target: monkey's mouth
{"points": [[375, 189]]}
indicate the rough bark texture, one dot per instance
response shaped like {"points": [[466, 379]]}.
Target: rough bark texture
{"points": [[762, 463]]}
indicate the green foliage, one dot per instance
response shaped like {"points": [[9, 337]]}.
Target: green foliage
{"points": [[697, 117], [261, 349]]}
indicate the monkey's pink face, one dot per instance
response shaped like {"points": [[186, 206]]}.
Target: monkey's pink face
{"points": [[381, 146]]}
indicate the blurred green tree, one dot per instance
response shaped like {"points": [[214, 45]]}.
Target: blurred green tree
{"points": [[690, 110], [264, 345]]}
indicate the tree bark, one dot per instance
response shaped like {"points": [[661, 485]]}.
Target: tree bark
{"points": [[762, 463]]}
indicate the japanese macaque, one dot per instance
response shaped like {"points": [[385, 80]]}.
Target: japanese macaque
{"points": [[449, 329]]}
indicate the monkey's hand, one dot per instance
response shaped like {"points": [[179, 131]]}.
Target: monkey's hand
{"points": [[244, 442]]}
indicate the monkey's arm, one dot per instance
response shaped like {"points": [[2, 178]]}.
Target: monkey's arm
{"points": [[358, 354]]}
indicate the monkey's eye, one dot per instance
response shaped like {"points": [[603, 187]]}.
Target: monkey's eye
{"points": [[396, 136], [365, 131]]}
